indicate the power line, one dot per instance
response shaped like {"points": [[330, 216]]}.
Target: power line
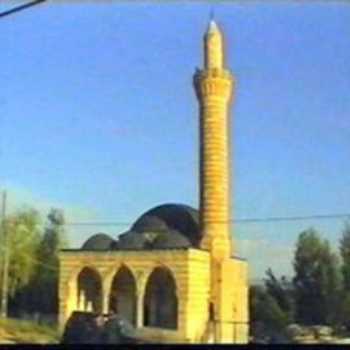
{"points": [[251, 220], [233, 221], [21, 7], [296, 218], [246, 220]]}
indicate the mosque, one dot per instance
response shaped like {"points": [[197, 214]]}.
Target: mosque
{"points": [[174, 274]]}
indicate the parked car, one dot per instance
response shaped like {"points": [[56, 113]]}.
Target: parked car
{"points": [[94, 328]]}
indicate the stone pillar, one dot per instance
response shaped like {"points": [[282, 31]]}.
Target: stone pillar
{"points": [[139, 310], [106, 290], [140, 294], [105, 303], [68, 296], [63, 298]]}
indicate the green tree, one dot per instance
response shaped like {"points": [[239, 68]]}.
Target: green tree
{"points": [[316, 281], [282, 291], [344, 248], [345, 255], [266, 316], [23, 237], [344, 310], [53, 240]]}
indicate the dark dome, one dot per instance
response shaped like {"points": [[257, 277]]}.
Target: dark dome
{"points": [[131, 240], [171, 217], [168, 239], [167, 226], [149, 223], [171, 239], [99, 241]]}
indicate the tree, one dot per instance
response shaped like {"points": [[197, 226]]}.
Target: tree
{"points": [[46, 283], [345, 255], [267, 318], [23, 237], [344, 310], [316, 281], [282, 291]]}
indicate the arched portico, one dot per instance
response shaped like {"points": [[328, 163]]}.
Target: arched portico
{"points": [[122, 299], [160, 301]]}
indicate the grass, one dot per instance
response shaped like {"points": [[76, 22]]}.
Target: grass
{"points": [[26, 332]]}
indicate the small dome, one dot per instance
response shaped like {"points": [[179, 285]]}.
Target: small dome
{"points": [[171, 239], [131, 240], [99, 241]]}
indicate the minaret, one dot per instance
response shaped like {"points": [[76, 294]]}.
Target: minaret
{"points": [[228, 299], [213, 86]]}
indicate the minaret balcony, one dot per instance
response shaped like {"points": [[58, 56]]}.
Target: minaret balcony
{"points": [[213, 73]]}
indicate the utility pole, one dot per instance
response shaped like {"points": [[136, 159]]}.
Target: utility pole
{"points": [[4, 291]]}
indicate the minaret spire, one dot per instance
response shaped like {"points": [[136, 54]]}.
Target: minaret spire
{"points": [[213, 47]]}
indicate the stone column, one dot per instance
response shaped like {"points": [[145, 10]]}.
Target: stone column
{"points": [[139, 310], [68, 297], [140, 293], [105, 295]]}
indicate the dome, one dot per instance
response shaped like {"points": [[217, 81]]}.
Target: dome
{"points": [[99, 241], [168, 239], [131, 240], [170, 218], [149, 223], [166, 226], [171, 239]]}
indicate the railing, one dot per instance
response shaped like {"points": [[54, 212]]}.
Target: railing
{"points": [[213, 73]]}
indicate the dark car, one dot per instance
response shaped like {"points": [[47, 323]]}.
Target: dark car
{"points": [[94, 328]]}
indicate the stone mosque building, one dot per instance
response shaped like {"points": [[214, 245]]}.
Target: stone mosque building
{"points": [[174, 274]]}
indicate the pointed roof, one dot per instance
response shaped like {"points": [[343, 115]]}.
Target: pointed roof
{"points": [[212, 27]]}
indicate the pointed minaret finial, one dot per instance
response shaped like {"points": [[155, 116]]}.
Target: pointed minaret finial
{"points": [[213, 45], [212, 14], [212, 24]]}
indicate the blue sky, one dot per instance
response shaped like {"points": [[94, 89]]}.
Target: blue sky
{"points": [[98, 113]]}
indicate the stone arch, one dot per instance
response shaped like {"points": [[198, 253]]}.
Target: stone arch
{"points": [[122, 298], [89, 290], [160, 303]]}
